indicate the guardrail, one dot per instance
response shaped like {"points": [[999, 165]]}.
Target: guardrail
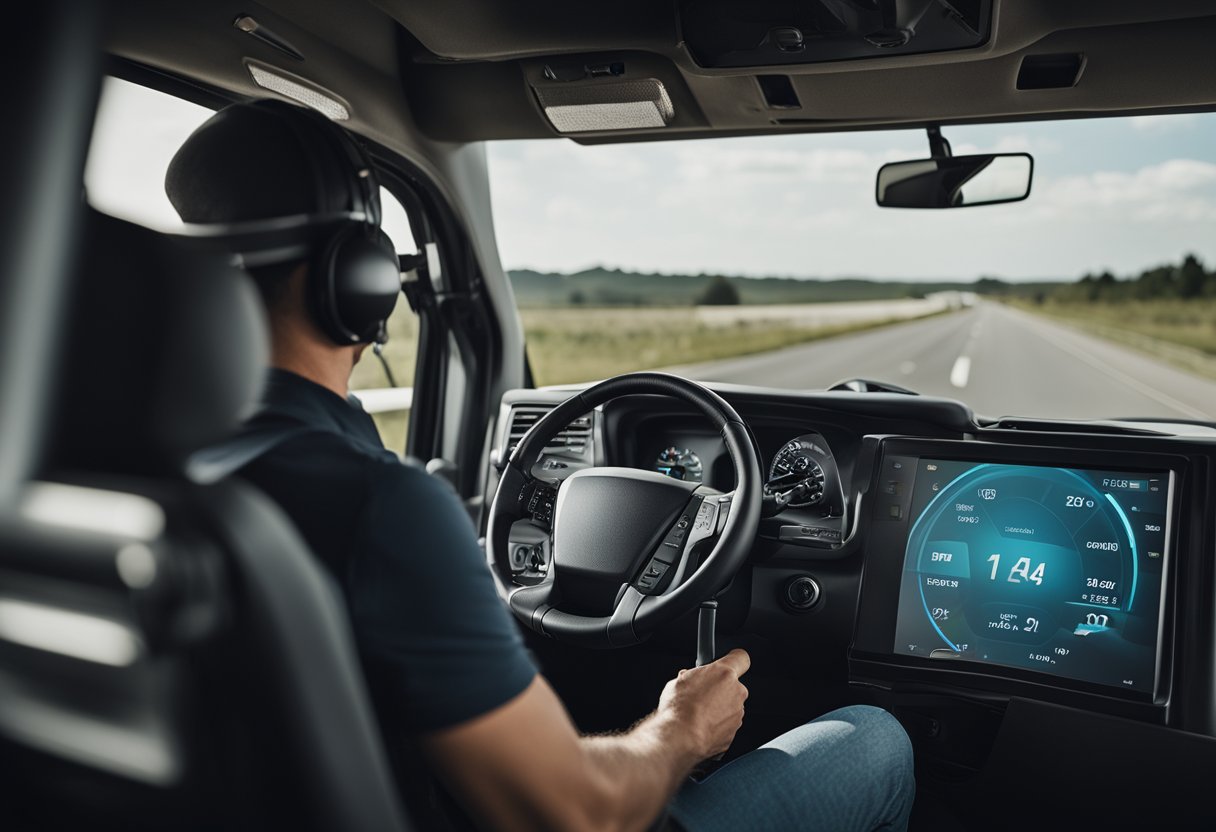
{"points": [[385, 399]]}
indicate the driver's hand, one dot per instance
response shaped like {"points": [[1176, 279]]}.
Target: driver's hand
{"points": [[708, 702]]}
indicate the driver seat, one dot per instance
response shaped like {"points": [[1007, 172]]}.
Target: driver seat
{"points": [[171, 654]]}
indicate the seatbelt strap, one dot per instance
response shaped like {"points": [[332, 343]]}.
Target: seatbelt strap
{"points": [[213, 464]]}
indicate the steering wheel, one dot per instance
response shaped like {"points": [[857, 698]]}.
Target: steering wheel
{"points": [[632, 550]]}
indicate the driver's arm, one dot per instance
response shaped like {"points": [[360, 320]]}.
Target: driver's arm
{"points": [[524, 766]]}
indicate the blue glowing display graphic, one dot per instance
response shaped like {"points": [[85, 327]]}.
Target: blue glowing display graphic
{"points": [[1053, 570]]}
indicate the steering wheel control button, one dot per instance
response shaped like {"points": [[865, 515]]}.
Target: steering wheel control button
{"points": [[652, 576], [541, 502], [801, 593], [674, 542], [706, 515]]}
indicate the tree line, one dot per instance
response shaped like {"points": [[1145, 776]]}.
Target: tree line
{"points": [[1186, 281]]}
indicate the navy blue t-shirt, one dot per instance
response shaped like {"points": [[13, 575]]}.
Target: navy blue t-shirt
{"points": [[438, 646]]}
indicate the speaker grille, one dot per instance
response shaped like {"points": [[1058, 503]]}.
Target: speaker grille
{"points": [[621, 105]]}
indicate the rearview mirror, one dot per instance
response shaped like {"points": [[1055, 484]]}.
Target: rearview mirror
{"points": [[955, 181]]}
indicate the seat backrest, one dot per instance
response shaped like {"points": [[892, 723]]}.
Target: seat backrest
{"points": [[171, 655]]}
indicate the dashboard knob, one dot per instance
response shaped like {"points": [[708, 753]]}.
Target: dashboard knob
{"points": [[801, 593], [519, 557]]}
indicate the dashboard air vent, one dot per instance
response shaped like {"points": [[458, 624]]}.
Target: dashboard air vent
{"points": [[574, 438]]}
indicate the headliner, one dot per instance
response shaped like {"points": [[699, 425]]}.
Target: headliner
{"points": [[463, 70]]}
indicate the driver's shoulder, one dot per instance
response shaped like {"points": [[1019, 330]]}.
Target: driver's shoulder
{"points": [[314, 467]]}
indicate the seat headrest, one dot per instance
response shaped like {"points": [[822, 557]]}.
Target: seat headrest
{"points": [[165, 352]]}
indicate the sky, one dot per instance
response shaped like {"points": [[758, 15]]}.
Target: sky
{"points": [[1120, 194]]}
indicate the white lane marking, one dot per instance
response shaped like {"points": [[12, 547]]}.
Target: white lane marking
{"points": [[1117, 375], [961, 371], [908, 368]]}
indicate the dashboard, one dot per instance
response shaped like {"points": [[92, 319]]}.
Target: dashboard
{"points": [[934, 553], [803, 471], [799, 461]]}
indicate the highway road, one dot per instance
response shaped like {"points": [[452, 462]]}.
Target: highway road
{"points": [[1000, 361]]}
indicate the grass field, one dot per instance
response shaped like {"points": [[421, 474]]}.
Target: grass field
{"points": [[582, 344], [400, 351], [572, 345], [1178, 331]]}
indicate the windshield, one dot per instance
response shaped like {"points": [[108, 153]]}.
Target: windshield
{"points": [[766, 261]]}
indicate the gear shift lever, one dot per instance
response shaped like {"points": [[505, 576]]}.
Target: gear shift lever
{"points": [[707, 625], [707, 648]]}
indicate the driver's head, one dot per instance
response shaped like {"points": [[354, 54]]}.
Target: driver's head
{"points": [[268, 160]]}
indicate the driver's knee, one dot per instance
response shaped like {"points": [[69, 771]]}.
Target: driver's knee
{"points": [[883, 756]]}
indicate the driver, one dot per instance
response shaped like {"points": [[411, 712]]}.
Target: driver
{"points": [[455, 691]]}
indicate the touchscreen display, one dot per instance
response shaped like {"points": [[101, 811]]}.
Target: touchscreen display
{"points": [[1053, 570]]}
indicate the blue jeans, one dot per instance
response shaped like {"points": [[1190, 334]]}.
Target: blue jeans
{"points": [[850, 769]]}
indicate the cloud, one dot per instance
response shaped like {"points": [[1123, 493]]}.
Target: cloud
{"points": [[1177, 189], [1164, 124], [804, 205], [1019, 143], [746, 165]]}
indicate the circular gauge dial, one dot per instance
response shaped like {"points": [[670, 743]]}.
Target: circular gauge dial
{"points": [[794, 467], [680, 464], [1022, 555]]}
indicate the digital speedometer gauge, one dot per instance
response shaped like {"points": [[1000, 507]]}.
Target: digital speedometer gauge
{"points": [[680, 464], [1047, 569]]}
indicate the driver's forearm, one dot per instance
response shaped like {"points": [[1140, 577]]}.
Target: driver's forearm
{"points": [[643, 767]]}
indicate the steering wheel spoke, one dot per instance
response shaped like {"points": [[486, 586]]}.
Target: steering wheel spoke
{"points": [[679, 553], [530, 603]]}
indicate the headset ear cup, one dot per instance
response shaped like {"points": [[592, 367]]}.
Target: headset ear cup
{"points": [[362, 281], [322, 289]]}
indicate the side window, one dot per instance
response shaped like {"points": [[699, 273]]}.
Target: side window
{"points": [[385, 383], [136, 133]]}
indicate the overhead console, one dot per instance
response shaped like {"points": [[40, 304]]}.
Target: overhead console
{"points": [[1003, 570], [728, 33]]}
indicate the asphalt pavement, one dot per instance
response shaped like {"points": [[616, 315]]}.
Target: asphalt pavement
{"points": [[1000, 361]]}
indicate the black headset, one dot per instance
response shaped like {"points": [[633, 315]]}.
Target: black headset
{"points": [[354, 277]]}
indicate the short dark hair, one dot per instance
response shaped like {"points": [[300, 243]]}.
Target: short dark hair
{"points": [[271, 282]]}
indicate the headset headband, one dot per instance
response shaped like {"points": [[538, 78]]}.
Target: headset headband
{"points": [[265, 242]]}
